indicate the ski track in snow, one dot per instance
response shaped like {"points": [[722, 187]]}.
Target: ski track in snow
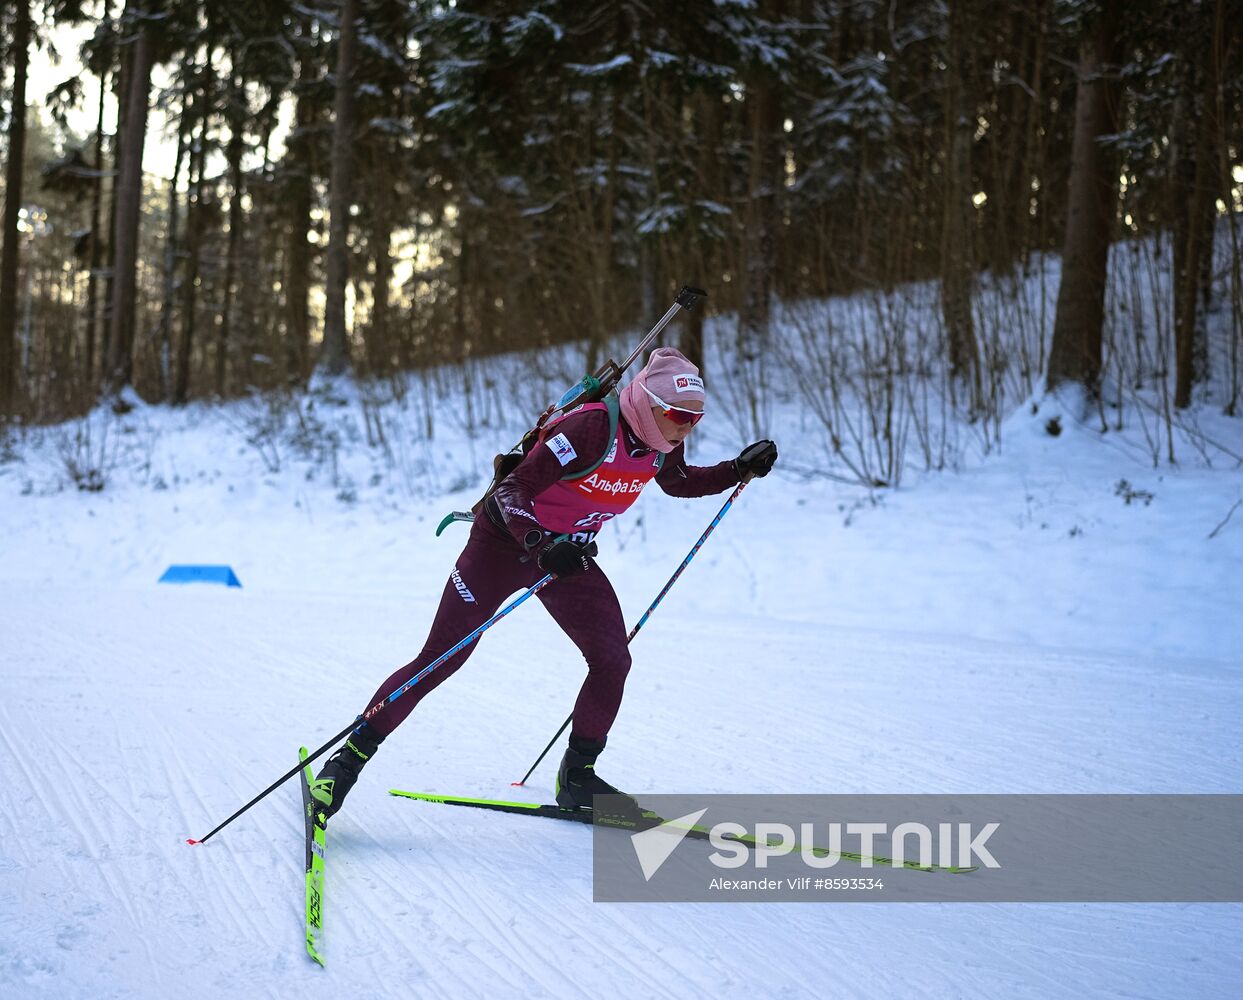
{"points": [[135, 717], [1015, 627]]}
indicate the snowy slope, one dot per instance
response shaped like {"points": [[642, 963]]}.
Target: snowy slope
{"points": [[961, 636], [155, 712], [1016, 627]]}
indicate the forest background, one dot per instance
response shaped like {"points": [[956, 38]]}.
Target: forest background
{"points": [[376, 187]]}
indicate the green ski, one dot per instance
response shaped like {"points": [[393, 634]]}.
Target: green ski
{"points": [[636, 824], [314, 865]]}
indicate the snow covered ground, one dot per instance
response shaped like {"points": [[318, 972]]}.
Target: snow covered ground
{"points": [[1016, 627]]}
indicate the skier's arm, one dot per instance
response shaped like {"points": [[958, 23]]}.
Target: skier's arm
{"points": [[681, 480], [587, 437]]}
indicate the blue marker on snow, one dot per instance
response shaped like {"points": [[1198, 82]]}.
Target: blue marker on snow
{"points": [[201, 574]]}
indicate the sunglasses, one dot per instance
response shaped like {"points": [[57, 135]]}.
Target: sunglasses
{"points": [[677, 414]]}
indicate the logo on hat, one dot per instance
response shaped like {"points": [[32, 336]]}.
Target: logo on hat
{"points": [[688, 383]]}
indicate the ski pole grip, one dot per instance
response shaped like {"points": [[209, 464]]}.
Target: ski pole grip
{"points": [[690, 297]]}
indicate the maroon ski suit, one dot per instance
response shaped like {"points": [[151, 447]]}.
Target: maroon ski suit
{"points": [[499, 561]]}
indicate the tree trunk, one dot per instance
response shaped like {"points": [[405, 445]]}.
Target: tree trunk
{"points": [[335, 356], [692, 340], [763, 186], [168, 305], [647, 282], [233, 156], [1224, 45], [97, 236], [379, 347], [298, 253], [194, 228], [1075, 355], [1193, 243], [120, 86], [1031, 162], [12, 203], [298, 283], [957, 243], [709, 110], [129, 211]]}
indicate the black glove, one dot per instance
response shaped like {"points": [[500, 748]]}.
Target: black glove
{"points": [[755, 460], [565, 558]]}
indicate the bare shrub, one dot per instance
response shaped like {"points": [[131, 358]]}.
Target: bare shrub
{"points": [[89, 450]]}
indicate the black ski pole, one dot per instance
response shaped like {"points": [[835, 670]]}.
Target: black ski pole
{"points": [[380, 705], [647, 614]]}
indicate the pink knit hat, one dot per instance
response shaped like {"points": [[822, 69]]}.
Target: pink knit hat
{"points": [[670, 376]]}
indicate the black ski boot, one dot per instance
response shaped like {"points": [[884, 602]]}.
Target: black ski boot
{"points": [[577, 781], [337, 777]]}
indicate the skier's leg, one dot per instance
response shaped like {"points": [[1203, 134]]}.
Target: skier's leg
{"points": [[587, 609], [487, 572]]}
